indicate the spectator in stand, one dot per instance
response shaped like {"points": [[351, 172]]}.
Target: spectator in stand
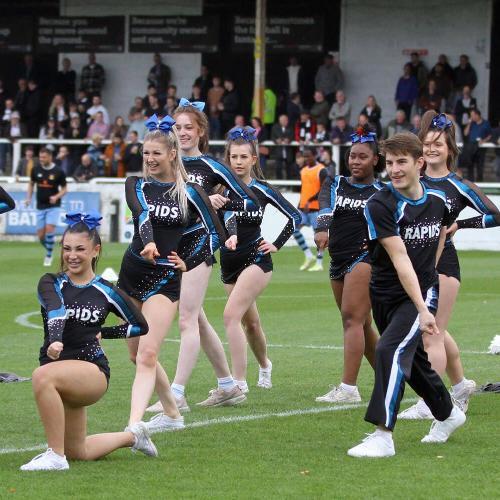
{"points": [[196, 94], [214, 97], [297, 165], [114, 153], [133, 155], [444, 84], [476, 133], [431, 99], [7, 111], [21, 97], [119, 127], [465, 74], [262, 135], [172, 92], [329, 78], [294, 109], [59, 112], [93, 77], [153, 107], [305, 128], [320, 108], [137, 125], [65, 83], [399, 124], [282, 134], [4, 132], [73, 110], [137, 107], [30, 69], [50, 130], [145, 101], [229, 105], [321, 134], [98, 126], [341, 134], [33, 109], [97, 107], [15, 129], [86, 170], [239, 121], [204, 82], [295, 78], [27, 163], [374, 113], [448, 70], [416, 121], [159, 76], [465, 104], [64, 161], [340, 108], [3, 97], [170, 106], [96, 152], [419, 71], [406, 90], [83, 104], [270, 103], [327, 160], [75, 129], [459, 137], [363, 121]]}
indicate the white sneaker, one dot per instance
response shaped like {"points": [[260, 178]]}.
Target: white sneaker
{"points": [[418, 411], [375, 445], [47, 262], [162, 423], [143, 442], [243, 387], [181, 402], [441, 431], [265, 376], [308, 262], [155, 408], [461, 398], [48, 460], [340, 395]]}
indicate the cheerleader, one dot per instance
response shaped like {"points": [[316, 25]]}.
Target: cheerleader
{"points": [[163, 205], [342, 227], [437, 133], [74, 371]]}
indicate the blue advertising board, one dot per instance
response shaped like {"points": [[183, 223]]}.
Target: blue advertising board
{"points": [[22, 220]]}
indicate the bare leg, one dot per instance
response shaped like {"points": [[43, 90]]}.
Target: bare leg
{"points": [[454, 368], [159, 312], [250, 284], [255, 335]]}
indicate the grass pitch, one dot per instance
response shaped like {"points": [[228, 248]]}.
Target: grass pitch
{"points": [[280, 443]]}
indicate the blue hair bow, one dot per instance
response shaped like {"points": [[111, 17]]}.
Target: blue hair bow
{"points": [[441, 122], [247, 134], [165, 124], [362, 137], [91, 220], [200, 106]]}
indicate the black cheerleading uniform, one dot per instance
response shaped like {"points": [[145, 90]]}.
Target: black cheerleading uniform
{"points": [[341, 206], [209, 173], [6, 202], [400, 352], [74, 315], [158, 218], [246, 225], [461, 193]]}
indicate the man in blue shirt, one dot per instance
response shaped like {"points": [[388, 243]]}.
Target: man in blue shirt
{"points": [[476, 132]]}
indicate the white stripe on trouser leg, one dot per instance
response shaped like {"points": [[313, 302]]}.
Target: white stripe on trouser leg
{"points": [[393, 387]]}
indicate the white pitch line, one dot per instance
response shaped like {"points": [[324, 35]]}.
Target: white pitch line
{"points": [[24, 320]]}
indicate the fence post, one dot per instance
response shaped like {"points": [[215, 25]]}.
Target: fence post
{"points": [[16, 156], [336, 157]]}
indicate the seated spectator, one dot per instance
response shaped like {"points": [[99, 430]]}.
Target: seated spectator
{"points": [[305, 128], [7, 111], [196, 93], [114, 155], [431, 99], [294, 109], [137, 125], [27, 162], [399, 124], [97, 107], [320, 108], [65, 161], [145, 101], [119, 127], [321, 134], [465, 104], [340, 108], [214, 97], [137, 107], [406, 90], [96, 152], [374, 113], [133, 155], [239, 121], [98, 126], [363, 121], [170, 106], [341, 132], [153, 107], [86, 170], [59, 112], [50, 130], [282, 133], [172, 92], [83, 104], [416, 122], [327, 160], [73, 110], [476, 133], [75, 129]]}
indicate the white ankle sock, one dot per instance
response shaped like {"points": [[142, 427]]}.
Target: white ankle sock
{"points": [[178, 390], [458, 387], [268, 368], [242, 384], [309, 254], [348, 388], [226, 383]]}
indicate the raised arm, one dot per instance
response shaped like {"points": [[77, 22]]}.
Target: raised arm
{"points": [[121, 305], [6, 202], [51, 299], [137, 203]]}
